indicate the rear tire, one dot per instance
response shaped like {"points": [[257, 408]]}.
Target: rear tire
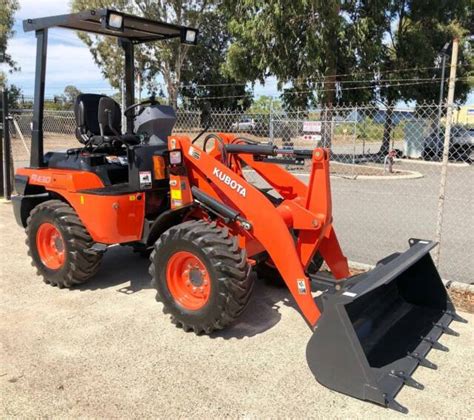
{"points": [[208, 256], [57, 242]]}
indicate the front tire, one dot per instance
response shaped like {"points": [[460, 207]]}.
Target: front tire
{"points": [[59, 245], [201, 276]]}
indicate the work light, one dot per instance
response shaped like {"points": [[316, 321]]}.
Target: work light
{"points": [[189, 36], [114, 21]]}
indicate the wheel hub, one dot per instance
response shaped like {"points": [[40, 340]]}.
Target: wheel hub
{"points": [[188, 280], [50, 246]]}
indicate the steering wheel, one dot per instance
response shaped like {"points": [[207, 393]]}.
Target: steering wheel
{"points": [[150, 101]]}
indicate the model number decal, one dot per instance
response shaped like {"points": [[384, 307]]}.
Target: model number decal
{"points": [[232, 183], [41, 178]]}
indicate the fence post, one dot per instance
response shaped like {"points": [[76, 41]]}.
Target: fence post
{"points": [[1, 144], [7, 150], [271, 119], [447, 138]]}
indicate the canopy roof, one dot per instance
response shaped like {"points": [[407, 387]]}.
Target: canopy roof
{"points": [[136, 29]]}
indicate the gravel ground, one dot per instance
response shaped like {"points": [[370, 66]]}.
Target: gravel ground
{"points": [[105, 350]]}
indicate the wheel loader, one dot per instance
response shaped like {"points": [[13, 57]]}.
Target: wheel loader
{"points": [[190, 204]]}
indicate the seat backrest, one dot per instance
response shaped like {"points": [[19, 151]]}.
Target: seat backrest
{"points": [[109, 116], [86, 110]]}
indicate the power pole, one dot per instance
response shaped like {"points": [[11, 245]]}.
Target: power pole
{"points": [[444, 54], [447, 138]]}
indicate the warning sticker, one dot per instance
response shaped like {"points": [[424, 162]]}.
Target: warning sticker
{"points": [[176, 195], [145, 179], [301, 287]]}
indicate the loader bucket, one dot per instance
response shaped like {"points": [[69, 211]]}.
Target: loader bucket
{"points": [[378, 328]]}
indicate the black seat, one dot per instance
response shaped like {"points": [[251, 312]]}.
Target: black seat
{"points": [[98, 120], [86, 110]]}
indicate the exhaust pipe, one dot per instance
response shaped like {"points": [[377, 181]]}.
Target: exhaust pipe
{"points": [[376, 330]]}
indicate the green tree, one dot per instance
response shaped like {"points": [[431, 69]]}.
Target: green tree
{"points": [[366, 44], [14, 97], [165, 58], [413, 34], [265, 104], [203, 73], [71, 93], [304, 43], [7, 13]]}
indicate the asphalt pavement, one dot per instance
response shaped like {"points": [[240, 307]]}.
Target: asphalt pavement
{"points": [[105, 350], [374, 218]]}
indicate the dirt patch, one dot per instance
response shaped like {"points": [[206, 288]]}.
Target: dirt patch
{"points": [[463, 298]]}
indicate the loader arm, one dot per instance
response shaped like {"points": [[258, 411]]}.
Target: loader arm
{"points": [[270, 225]]}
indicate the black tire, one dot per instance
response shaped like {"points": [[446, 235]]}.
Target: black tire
{"points": [[226, 264], [79, 263], [271, 275]]}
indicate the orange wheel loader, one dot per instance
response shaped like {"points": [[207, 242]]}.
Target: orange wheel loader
{"points": [[189, 203]]}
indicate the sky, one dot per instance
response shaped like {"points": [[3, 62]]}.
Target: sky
{"points": [[69, 59]]}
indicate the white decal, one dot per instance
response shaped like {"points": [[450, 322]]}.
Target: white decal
{"points": [[232, 183], [41, 178], [350, 294], [145, 179], [301, 287], [194, 153]]}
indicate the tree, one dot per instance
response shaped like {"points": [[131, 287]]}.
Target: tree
{"points": [[304, 43], [413, 34], [347, 51], [165, 58], [71, 93], [265, 104], [203, 69], [7, 12]]}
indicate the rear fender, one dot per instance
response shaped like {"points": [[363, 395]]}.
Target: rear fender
{"points": [[24, 204]]}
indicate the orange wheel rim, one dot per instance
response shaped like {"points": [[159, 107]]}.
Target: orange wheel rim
{"points": [[188, 280], [50, 246]]}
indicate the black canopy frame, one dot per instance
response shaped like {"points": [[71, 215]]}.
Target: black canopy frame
{"points": [[132, 30]]}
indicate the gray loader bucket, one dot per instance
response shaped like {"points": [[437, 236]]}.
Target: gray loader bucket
{"points": [[376, 330]]}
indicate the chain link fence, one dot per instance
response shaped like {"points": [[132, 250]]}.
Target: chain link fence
{"points": [[386, 168]]}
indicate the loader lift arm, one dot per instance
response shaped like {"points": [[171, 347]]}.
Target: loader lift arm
{"points": [[307, 210]]}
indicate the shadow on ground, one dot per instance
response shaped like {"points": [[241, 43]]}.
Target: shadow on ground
{"points": [[129, 272], [121, 265]]}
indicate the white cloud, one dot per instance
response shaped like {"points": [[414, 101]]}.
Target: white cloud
{"points": [[67, 64], [69, 60]]}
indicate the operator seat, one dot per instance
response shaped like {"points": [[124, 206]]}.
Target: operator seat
{"points": [[98, 121]]}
